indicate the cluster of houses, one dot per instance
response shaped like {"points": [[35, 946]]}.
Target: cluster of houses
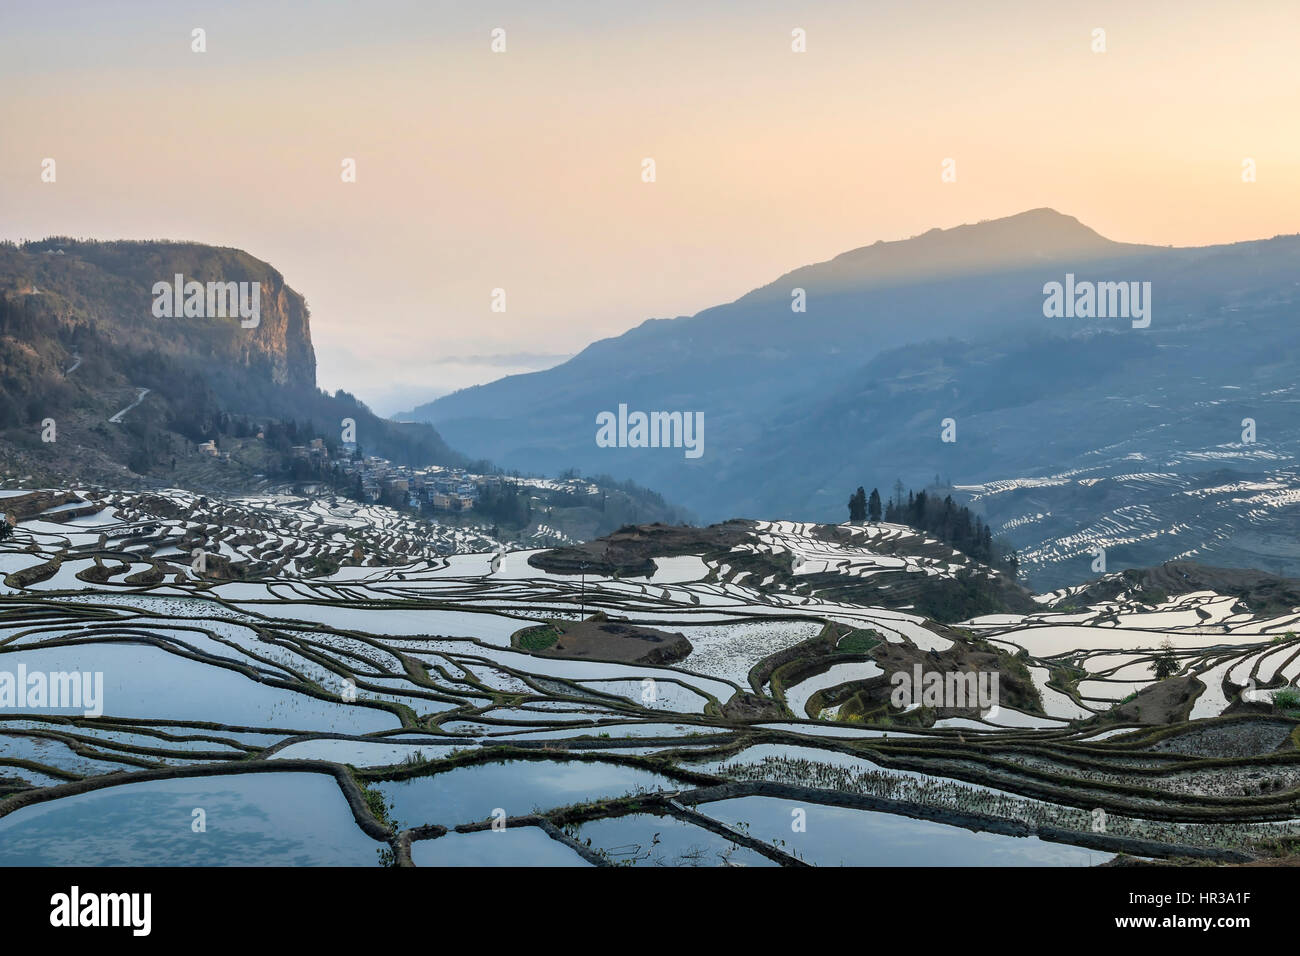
{"points": [[314, 451], [443, 489]]}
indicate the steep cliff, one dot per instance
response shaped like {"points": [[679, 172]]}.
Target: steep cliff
{"points": [[135, 352], [112, 286]]}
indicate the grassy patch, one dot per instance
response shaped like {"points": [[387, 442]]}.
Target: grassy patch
{"points": [[539, 638], [858, 642], [376, 804], [1286, 700]]}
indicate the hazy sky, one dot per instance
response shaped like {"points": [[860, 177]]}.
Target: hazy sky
{"points": [[522, 170]]}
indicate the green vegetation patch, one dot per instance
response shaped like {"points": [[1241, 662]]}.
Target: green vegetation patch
{"points": [[538, 638], [857, 642], [1287, 700]]}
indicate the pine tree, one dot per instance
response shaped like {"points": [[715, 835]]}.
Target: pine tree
{"points": [[873, 505], [858, 505]]}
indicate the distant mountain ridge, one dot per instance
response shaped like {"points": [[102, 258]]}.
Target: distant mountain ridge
{"points": [[763, 316], [1022, 240], [802, 407]]}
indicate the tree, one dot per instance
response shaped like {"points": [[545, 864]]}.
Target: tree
{"points": [[953, 524], [873, 505], [1166, 662], [858, 505]]}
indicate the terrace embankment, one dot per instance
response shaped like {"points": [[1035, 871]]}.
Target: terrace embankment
{"points": [[974, 590], [1165, 702], [33, 503], [739, 548], [599, 638], [870, 699], [629, 551], [1249, 736], [1015, 687], [1259, 591]]}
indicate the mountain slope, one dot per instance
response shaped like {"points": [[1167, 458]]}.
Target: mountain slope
{"points": [[800, 408], [82, 348], [866, 298]]}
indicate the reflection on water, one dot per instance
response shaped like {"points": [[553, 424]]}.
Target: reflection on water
{"points": [[267, 819]]}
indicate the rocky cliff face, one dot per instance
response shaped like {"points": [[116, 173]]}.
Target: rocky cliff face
{"points": [[113, 287], [108, 362], [283, 337]]}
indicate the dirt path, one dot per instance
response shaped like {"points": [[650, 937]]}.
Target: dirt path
{"points": [[117, 419]]}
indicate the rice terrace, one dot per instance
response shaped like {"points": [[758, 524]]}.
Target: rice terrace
{"points": [[402, 703], [581, 459]]}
